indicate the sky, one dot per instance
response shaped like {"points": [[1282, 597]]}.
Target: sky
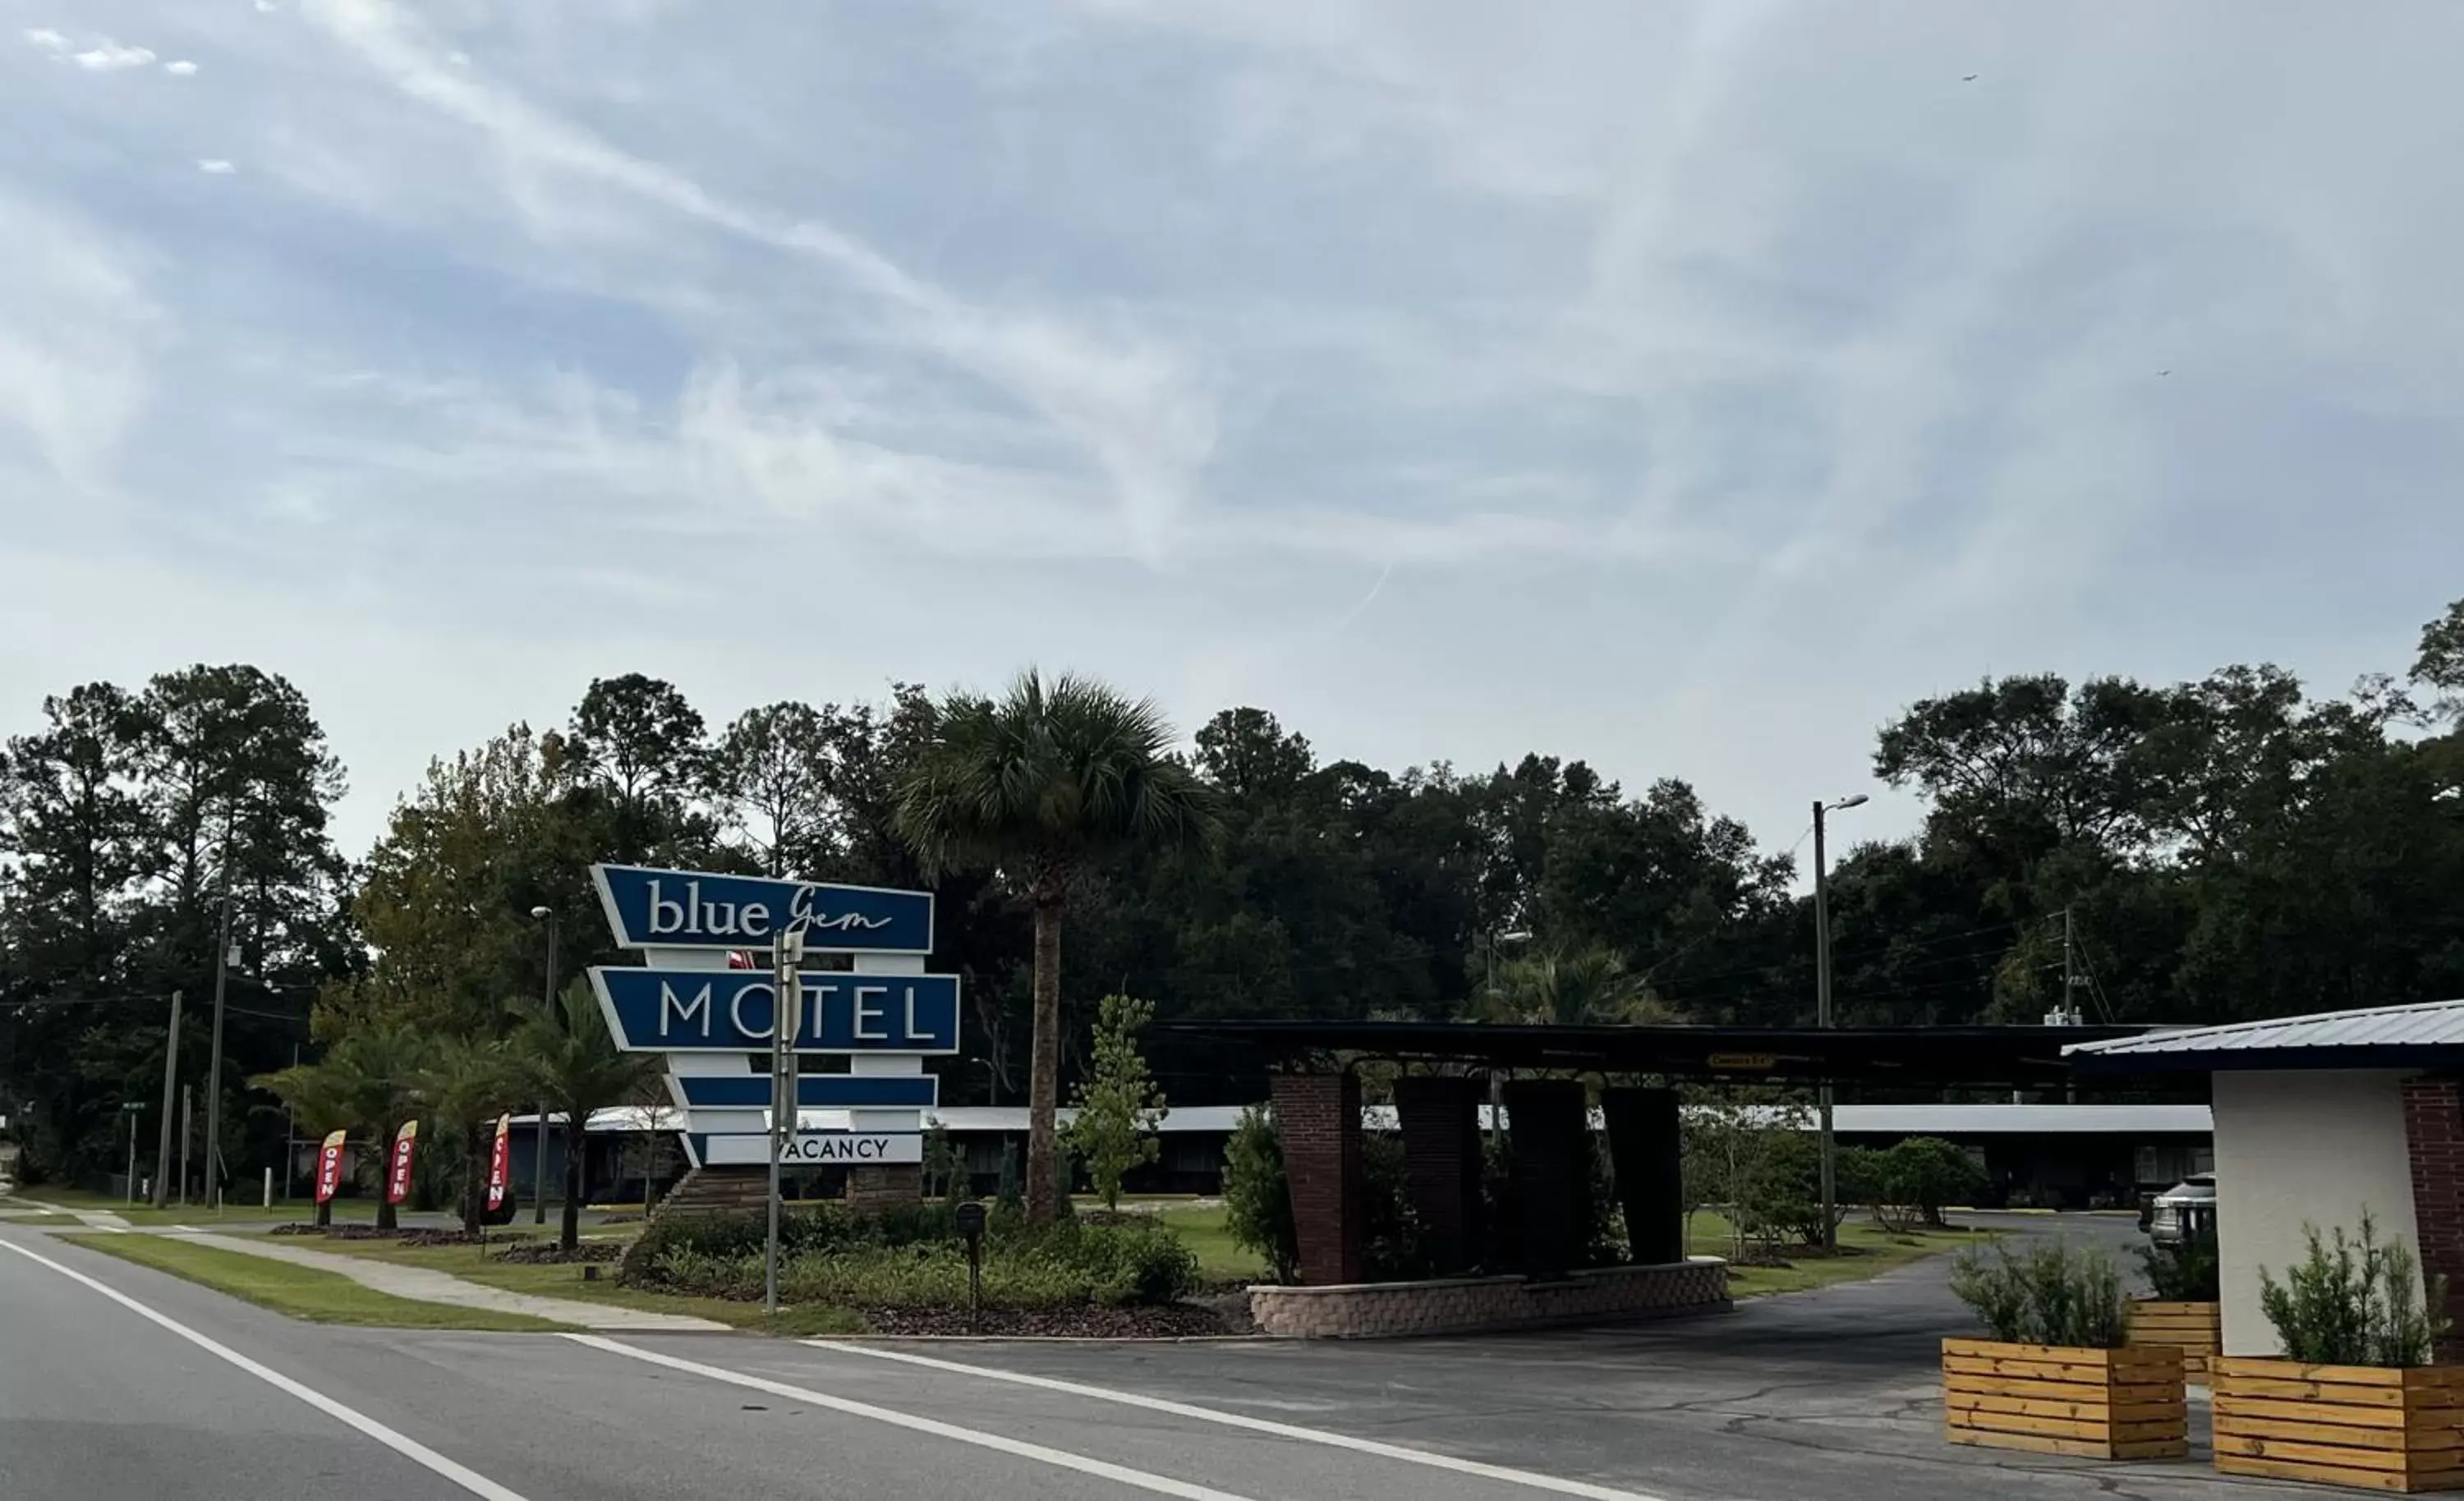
{"points": [[1684, 387]]}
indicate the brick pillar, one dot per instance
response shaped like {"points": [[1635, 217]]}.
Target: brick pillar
{"points": [[1650, 1171], [880, 1187], [1551, 1139], [1441, 1119], [2433, 1131], [1318, 1118]]}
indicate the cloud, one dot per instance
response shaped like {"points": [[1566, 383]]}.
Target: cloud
{"points": [[1646, 347], [78, 335], [182, 69], [109, 57], [1133, 407]]}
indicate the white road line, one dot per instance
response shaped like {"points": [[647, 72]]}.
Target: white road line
{"points": [[1238, 1420], [1160, 1485], [408, 1447]]}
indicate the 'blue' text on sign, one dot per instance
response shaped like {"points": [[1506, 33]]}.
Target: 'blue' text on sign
{"points": [[681, 1010], [703, 910]]}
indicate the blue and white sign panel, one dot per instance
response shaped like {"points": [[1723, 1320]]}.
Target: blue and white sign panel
{"points": [[703, 910], [732, 1011], [814, 1148], [813, 1091]]}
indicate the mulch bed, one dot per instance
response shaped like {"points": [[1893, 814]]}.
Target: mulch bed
{"points": [[371, 1232], [1180, 1320], [548, 1252]]}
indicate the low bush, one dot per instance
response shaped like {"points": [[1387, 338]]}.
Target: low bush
{"points": [[1257, 1204], [2360, 1303], [911, 1257], [2049, 1292], [2186, 1274]]}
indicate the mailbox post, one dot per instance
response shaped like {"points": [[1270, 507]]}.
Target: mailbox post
{"points": [[971, 1225]]}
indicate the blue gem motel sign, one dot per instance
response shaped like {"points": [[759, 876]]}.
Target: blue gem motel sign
{"points": [[650, 908], [731, 1011]]}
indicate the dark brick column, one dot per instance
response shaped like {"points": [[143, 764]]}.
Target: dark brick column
{"points": [[2433, 1130], [1552, 1143], [1650, 1171], [1441, 1119], [1318, 1118]]}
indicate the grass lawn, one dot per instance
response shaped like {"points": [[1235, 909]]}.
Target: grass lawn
{"points": [[1200, 1227], [321, 1297], [550, 1280], [234, 1211], [1867, 1251]]}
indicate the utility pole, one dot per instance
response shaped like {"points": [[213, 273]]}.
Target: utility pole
{"points": [[214, 1063], [1822, 1016], [1822, 1019], [787, 1016], [2070, 971], [538, 1146], [170, 1080], [188, 1137]]}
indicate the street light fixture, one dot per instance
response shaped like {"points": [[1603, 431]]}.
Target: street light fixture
{"points": [[539, 1142], [1823, 1012]]}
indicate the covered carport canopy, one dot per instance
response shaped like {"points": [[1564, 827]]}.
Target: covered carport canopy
{"points": [[2016, 1057], [1317, 1115]]}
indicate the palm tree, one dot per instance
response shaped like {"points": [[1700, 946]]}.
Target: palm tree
{"points": [[468, 1082], [1040, 784], [568, 1060], [1562, 986], [371, 1079]]}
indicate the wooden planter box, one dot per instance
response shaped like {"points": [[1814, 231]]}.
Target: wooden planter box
{"points": [[2341, 1425], [2124, 1404], [2195, 1329]]}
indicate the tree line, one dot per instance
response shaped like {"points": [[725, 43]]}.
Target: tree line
{"points": [[2224, 848]]}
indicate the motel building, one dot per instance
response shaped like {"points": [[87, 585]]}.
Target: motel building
{"points": [[2319, 1120]]}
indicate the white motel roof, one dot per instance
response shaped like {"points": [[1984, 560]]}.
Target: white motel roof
{"points": [[2005, 1119], [2380, 1036]]}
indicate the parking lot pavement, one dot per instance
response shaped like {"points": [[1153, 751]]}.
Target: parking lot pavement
{"points": [[1832, 1394]]}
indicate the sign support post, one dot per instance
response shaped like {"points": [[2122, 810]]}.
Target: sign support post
{"points": [[785, 1013]]}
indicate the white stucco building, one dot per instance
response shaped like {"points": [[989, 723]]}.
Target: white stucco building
{"points": [[2320, 1119]]}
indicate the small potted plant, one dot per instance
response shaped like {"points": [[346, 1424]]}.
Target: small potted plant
{"points": [[2057, 1376], [2183, 1311], [2355, 1401]]}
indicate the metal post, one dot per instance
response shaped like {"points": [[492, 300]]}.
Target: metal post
{"points": [[1822, 1019], [538, 1148], [188, 1137], [786, 1008], [214, 1063], [132, 1153], [170, 1079]]}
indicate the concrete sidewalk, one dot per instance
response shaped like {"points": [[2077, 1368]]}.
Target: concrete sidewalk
{"points": [[422, 1284]]}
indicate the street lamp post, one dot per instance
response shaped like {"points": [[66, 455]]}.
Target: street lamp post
{"points": [[1823, 1013], [538, 1146]]}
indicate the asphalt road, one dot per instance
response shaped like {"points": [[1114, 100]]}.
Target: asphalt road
{"points": [[1830, 1394]]}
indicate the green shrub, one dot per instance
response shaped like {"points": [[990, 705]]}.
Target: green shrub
{"points": [[2359, 1304], [1257, 1204], [913, 1259], [2186, 1274], [1394, 1251], [2049, 1292], [1928, 1175]]}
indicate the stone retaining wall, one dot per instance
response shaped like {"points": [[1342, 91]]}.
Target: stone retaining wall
{"points": [[1380, 1310]]}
